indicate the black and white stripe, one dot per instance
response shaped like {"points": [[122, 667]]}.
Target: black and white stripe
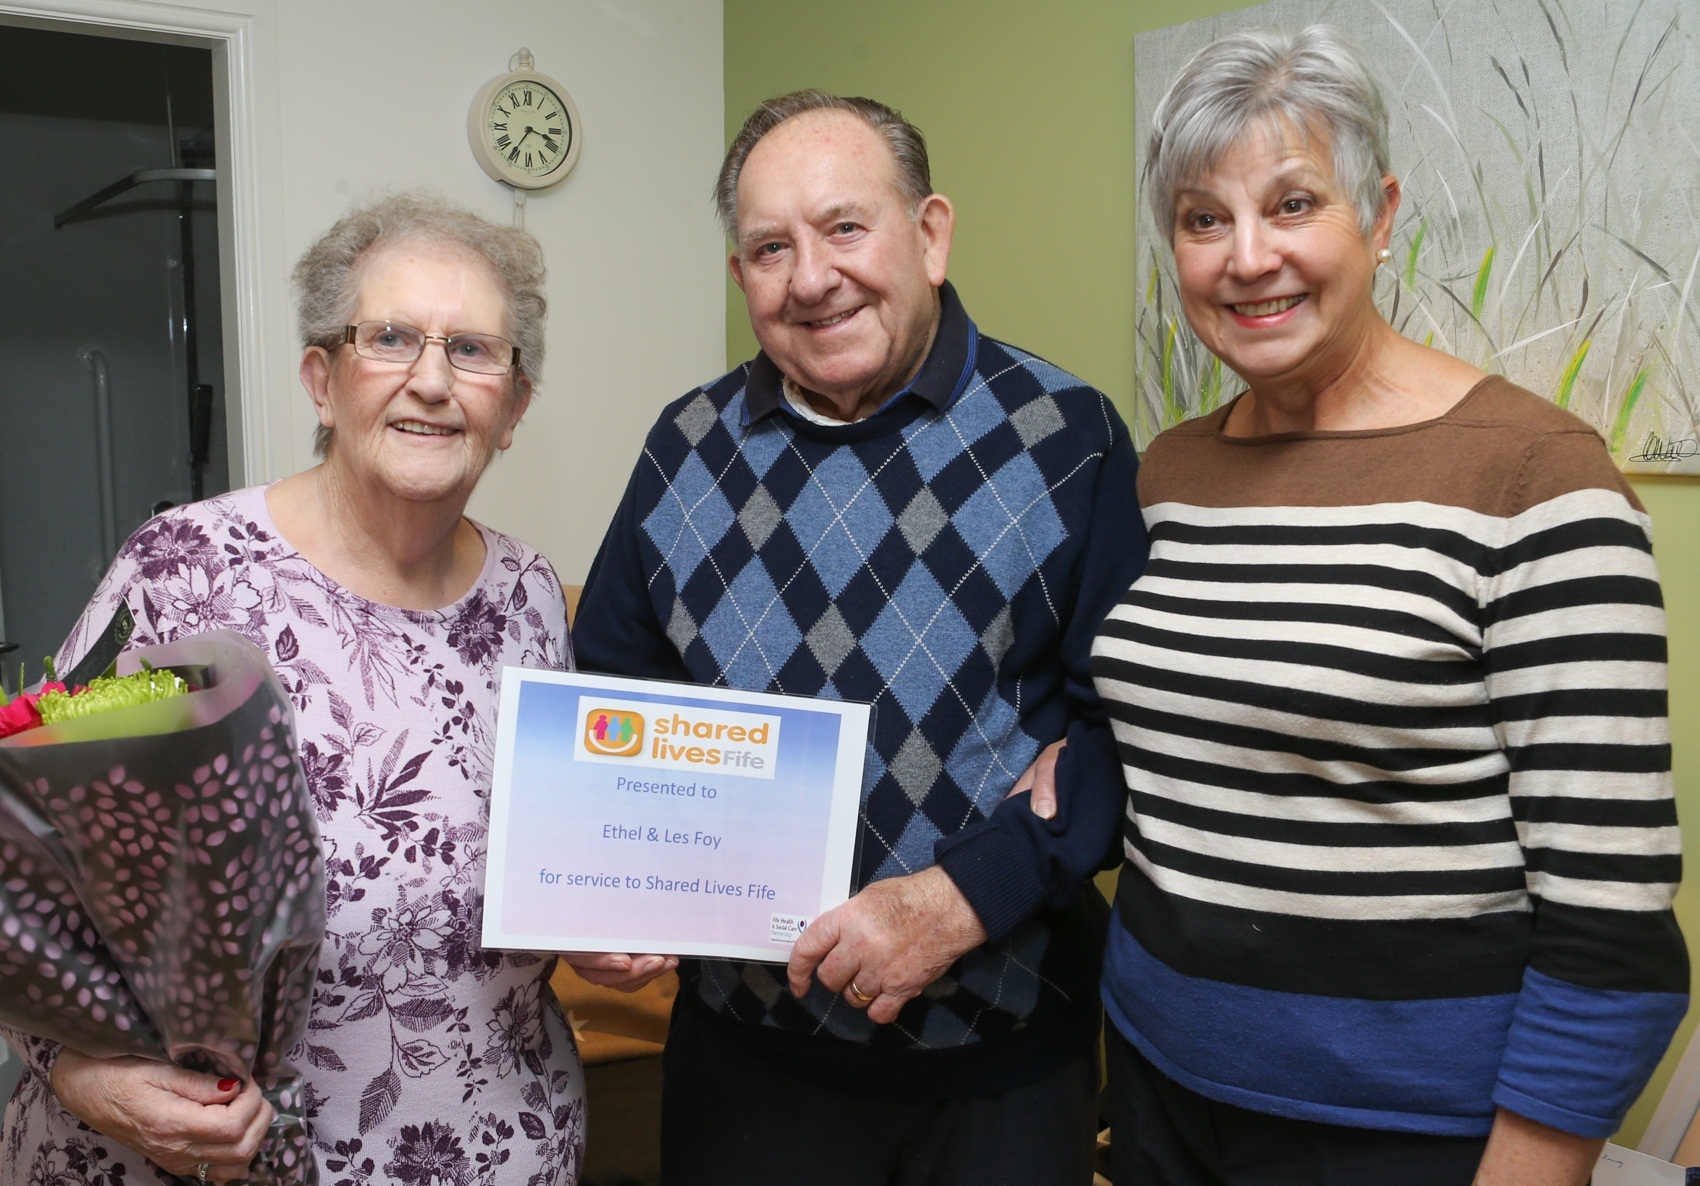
{"points": [[1399, 711]]}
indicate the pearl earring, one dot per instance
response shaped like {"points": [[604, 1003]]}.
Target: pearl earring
{"points": [[1383, 256]]}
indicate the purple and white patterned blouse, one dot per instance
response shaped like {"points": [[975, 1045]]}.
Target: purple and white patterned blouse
{"points": [[430, 1060]]}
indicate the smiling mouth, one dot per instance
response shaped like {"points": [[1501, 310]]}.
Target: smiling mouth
{"points": [[427, 430], [835, 319], [1269, 308]]}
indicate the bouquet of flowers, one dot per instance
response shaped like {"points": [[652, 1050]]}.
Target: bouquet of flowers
{"points": [[163, 889]]}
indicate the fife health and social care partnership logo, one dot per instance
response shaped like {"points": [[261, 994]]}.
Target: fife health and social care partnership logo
{"points": [[678, 737]]}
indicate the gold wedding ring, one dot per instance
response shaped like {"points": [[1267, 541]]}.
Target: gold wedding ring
{"points": [[861, 997]]}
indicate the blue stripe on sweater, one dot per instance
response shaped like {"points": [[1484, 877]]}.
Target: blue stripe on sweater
{"points": [[1405, 1066], [1559, 1053], [1576, 1057]]}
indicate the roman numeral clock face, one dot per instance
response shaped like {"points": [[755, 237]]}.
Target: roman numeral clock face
{"points": [[524, 130]]}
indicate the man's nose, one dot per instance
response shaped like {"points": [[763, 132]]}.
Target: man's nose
{"points": [[815, 273]]}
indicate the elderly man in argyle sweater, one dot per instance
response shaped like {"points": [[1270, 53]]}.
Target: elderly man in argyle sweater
{"points": [[886, 505]]}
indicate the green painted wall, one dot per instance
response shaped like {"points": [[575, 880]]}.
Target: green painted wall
{"points": [[1674, 504], [1028, 111]]}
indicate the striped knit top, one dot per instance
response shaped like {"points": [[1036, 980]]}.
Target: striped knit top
{"points": [[1400, 840]]}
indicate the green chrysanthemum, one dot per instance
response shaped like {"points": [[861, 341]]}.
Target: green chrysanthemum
{"points": [[108, 692]]}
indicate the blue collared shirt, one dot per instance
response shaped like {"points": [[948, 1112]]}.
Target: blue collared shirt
{"points": [[942, 377]]}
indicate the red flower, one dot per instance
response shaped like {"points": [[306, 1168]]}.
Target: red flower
{"points": [[19, 715], [22, 714]]}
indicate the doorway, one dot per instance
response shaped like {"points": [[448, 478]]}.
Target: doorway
{"points": [[112, 397]]}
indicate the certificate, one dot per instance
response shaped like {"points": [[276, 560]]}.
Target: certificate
{"points": [[646, 816]]}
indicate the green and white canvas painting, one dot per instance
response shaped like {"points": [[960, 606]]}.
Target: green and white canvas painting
{"points": [[1549, 152]]}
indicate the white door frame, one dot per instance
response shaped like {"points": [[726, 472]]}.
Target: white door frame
{"points": [[242, 37]]}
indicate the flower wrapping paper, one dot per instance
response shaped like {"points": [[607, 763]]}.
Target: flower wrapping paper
{"points": [[161, 883]]}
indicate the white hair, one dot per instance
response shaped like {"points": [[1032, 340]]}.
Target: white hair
{"points": [[327, 279], [1270, 80]]}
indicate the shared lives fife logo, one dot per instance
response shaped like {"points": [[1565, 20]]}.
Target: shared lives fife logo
{"points": [[678, 736], [613, 732]]}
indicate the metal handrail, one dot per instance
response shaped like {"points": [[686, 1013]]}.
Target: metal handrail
{"points": [[94, 360], [139, 177]]}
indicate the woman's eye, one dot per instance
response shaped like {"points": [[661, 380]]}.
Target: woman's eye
{"points": [[1294, 205], [1202, 221]]}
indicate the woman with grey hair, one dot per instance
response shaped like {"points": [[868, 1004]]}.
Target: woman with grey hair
{"points": [[387, 613], [1390, 702]]}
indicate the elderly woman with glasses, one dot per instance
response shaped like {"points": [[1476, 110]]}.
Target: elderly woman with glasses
{"points": [[1390, 701], [387, 613]]}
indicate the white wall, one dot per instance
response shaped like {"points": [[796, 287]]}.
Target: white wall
{"points": [[348, 99], [377, 94]]}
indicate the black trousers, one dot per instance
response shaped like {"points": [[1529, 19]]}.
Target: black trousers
{"points": [[1163, 1134], [729, 1118]]}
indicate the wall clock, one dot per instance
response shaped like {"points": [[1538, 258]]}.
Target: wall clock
{"points": [[524, 128]]}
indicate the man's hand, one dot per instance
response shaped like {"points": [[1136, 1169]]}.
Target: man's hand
{"points": [[175, 1118], [1041, 779], [609, 969], [890, 941]]}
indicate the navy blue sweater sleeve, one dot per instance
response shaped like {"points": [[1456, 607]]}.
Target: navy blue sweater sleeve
{"points": [[1014, 862], [616, 631]]}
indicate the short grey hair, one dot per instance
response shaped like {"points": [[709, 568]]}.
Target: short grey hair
{"points": [[1270, 79], [327, 279], [908, 146]]}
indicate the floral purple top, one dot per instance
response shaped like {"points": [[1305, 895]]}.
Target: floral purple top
{"points": [[431, 1060]]}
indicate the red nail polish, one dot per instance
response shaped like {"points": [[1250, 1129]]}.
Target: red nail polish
{"points": [[228, 1084]]}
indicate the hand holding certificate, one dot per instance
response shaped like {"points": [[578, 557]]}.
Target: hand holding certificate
{"points": [[633, 815]]}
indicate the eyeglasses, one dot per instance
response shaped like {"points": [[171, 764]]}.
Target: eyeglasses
{"points": [[391, 341]]}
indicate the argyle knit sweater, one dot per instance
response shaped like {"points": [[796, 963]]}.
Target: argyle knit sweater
{"points": [[947, 559], [1401, 845]]}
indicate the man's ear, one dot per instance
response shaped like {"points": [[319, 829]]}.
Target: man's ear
{"points": [[936, 218], [736, 267]]}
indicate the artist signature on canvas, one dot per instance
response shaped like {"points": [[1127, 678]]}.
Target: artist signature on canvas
{"points": [[1656, 448]]}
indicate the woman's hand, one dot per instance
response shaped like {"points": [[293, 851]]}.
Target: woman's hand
{"points": [[1041, 779], [610, 969], [1522, 1152], [175, 1118]]}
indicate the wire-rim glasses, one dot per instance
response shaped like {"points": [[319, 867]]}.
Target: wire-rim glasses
{"points": [[392, 341]]}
